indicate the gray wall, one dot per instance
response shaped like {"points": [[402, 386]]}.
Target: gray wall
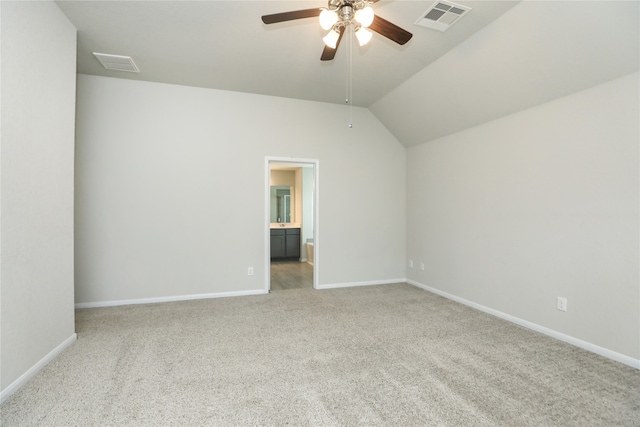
{"points": [[170, 189], [38, 104], [544, 203]]}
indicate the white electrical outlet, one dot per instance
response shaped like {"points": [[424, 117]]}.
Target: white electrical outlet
{"points": [[422, 266], [411, 263], [562, 304], [250, 271]]}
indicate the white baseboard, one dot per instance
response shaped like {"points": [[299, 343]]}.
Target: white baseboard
{"points": [[168, 299], [352, 284], [14, 386], [610, 354]]}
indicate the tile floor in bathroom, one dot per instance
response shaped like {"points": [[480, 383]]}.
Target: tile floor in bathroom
{"points": [[291, 275]]}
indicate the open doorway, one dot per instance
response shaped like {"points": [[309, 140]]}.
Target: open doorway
{"points": [[291, 206]]}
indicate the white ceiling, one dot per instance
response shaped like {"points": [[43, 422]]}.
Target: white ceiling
{"points": [[536, 52], [502, 57]]}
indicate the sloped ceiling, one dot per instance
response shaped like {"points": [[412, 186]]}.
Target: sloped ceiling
{"points": [[535, 52], [225, 45], [503, 57]]}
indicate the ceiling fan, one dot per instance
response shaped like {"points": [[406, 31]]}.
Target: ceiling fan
{"points": [[337, 16]]}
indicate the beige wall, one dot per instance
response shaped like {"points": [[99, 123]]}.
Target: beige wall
{"points": [[280, 177]]}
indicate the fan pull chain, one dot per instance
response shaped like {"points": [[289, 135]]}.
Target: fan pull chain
{"points": [[349, 79]]}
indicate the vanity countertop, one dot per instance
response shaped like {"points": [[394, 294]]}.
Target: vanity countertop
{"points": [[285, 225]]}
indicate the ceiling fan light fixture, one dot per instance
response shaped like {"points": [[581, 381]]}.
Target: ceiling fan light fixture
{"points": [[364, 16], [363, 35], [340, 16], [331, 39], [327, 18]]}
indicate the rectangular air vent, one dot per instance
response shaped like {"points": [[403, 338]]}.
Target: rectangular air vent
{"points": [[442, 15], [117, 62]]}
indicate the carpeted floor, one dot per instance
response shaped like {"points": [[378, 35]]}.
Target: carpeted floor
{"points": [[388, 355]]}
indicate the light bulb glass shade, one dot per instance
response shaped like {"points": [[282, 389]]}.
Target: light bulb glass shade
{"points": [[331, 39], [364, 16], [363, 35], [327, 18]]}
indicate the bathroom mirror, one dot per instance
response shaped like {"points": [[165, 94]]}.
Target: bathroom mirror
{"points": [[281, 202]]}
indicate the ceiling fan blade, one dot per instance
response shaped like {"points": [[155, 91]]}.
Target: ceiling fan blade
{"points": [[329, 53], [290, 16], [390, 31]]}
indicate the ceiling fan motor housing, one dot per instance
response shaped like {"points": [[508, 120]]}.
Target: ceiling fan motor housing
{"points": [[346, 13]]}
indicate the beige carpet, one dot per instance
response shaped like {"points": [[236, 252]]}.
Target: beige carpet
{"points": [[381, 355]]}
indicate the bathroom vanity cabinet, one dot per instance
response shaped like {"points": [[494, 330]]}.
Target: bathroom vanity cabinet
{"points": [[285, 243]]}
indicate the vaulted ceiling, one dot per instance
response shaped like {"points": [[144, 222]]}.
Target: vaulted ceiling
{"points": [[500, 58]]}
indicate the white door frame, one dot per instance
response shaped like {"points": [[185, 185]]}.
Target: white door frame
{"points": [[316, 222]]}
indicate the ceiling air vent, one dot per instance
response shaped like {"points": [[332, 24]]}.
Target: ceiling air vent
{"points": [[442, 15], [117, 62]]}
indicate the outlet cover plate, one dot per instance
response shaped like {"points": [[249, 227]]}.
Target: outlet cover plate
{"points": [[562, 304]]}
